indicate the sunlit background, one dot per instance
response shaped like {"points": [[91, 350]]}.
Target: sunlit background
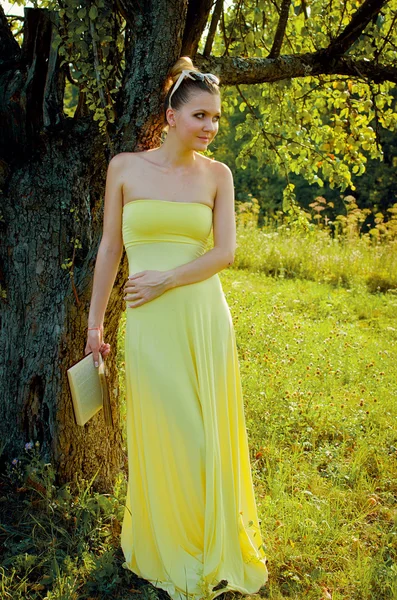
{"points": [[12, 8]]}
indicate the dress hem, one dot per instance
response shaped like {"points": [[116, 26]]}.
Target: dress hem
{"points": [[177, 594]]}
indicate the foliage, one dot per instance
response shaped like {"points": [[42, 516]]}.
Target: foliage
{"points": [[312, 129], [324, 128], [376, 188], [319, 127]]}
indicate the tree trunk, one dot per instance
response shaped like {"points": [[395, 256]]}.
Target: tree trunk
{"points": [[52, 176]]}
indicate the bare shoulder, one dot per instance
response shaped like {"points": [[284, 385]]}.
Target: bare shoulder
{"points": [[129, 159], [223, 174], [223, 168], [121, 159], [219, 169], [124, 165]]}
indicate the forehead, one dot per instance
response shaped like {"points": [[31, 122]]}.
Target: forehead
{"points": [[202, 100]]}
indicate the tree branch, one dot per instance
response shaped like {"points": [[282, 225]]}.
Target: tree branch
{"points": [[233, 70], [280, 31], [196, 19], [387, 37], [367, 11], [214, 24]]}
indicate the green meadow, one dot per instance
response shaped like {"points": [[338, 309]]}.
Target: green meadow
{"points": [[319, 376], [316, 330]]}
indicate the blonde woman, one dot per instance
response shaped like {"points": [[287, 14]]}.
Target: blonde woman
{"points": [[190, 524]]}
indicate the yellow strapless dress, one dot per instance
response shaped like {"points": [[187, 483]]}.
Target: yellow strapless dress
{"points": [[190, 521]]}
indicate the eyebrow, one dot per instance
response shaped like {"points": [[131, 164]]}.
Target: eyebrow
{"points": [[205, 111]]}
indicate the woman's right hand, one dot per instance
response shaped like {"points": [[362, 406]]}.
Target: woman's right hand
{"points": [[96, 345]]}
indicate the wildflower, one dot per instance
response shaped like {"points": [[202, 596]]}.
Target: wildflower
{"points": [[15, 461], [37, 444], [29, 446]]}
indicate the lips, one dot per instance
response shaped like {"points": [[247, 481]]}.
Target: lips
{"points": [[204, 138]]}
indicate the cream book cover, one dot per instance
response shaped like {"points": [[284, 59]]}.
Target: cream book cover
{"points": [[87, 385]]}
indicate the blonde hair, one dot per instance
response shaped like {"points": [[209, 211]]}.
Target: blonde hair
{"points": [[187, 87]]}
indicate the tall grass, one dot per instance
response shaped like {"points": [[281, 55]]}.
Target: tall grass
{"points": [[297, 248]]}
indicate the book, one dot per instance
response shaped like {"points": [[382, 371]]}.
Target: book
{"points": [[89, 390]]}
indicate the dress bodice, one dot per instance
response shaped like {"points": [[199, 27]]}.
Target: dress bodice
{"points": [[162, 234]]}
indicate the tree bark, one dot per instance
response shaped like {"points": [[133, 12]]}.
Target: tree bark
{"points": [[234, 70], [45, 307]]}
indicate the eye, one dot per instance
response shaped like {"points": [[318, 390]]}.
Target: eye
{"points": [[217, 117]]}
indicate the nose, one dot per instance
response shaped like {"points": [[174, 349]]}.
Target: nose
{"points": [[210, 127]]}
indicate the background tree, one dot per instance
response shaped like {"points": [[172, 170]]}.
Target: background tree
{"points": [[323, 71]]}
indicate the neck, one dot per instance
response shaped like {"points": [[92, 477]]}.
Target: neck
{"points": [[173, 154]]}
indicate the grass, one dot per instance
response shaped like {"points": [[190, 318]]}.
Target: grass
{"points": [[318, 372], [317, 360], [285, 253]]}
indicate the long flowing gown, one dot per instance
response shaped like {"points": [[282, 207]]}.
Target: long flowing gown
{"points": [[190, 522]]}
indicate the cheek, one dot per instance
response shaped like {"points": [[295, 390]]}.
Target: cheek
{"points": [[192, 125], [191, 129]]}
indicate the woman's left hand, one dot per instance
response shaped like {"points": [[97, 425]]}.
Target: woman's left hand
{"points": [[145, 286]]}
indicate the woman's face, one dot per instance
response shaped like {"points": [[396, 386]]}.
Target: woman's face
{"points": [[197, 122]]}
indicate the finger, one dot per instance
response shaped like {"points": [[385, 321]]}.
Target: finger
{"points": [[135, 304], [131, 297], [130, 289], [136, 275]]}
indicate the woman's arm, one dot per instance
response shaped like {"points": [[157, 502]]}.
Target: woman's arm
{"points": [[111, 247], [198, 269], [221, 255], [106, 267]]}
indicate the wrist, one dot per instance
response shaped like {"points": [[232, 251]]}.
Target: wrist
{"points": [[169, 279]]}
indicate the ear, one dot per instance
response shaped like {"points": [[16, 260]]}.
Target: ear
{"points": [[170, 115]]}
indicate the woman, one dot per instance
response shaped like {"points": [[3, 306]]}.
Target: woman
{"points": [[190, 524]]}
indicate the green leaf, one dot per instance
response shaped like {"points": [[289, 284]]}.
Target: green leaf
{"points": [[93, 12]]}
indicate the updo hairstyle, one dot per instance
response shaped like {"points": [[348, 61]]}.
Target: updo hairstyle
{"points": [[187, 86]]}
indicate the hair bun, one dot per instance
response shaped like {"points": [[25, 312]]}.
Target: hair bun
{"points": [[184, 62]]}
